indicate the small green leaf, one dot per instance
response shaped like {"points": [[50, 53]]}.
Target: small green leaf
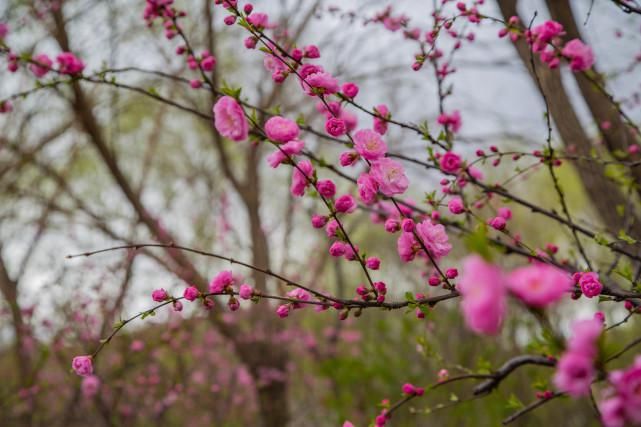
{"points": [[513, 402]]}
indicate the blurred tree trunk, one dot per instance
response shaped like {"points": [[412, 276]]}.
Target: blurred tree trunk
{"points": [[604, 194], [9, 290], [619, 136]]}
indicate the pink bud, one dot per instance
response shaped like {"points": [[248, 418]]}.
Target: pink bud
{"points": [[191, 293], [319, 221], [159, 295], [337, 249], [451, 273], [283, 311], [373, 263], [246, 291], [498, 223], [407, 225]]}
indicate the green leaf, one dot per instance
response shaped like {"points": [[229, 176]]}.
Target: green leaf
{"points": [[626, 238], [600, 239], [513, 403]]}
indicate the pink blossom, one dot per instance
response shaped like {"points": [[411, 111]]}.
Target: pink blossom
{"points": [[259, 20], [590, 285], [390, 176], [233, 304], [506, 213], [159, 295], [337, 249], [82, 365], [345, 204], [369, 144], [208, 63], [451, 121], [281, 129], [4, 30], [412, 390], [380, 121], [367, 188], [319, 221], [283, 311], [41, 66], [539, 285], [291, 148], [350, 90], [408, 225], [580, 55], [392, 225], [450, 162], [299, 294], [303, 173], [613, 412], [335, 127], [543, 34], [348, 158], [626, 385], [433, 237], [69, 63], [326, 188], [221, 281], [314, 80], [497, 223], [451, 273], [348, 424], [585, 334], [137, 345], [574, 374], [455, 205], [483, 292], [191, 293], [246, 291], [230, 120], [373, 263], [331, 228], [90, 386]]}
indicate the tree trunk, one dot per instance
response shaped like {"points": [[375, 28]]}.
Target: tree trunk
{"points": [[604, 194]]}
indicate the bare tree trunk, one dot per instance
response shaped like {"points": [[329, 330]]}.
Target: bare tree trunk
{"points": [[618, 136]]}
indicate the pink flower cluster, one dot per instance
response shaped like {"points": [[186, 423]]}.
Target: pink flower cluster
{"points": [[163, 10], [623, 405], [432, 236], [545, 40], [575, 369], [484, 288], [68, 63], [580, 55], [451, 121], [41, 64], [589, 283]]}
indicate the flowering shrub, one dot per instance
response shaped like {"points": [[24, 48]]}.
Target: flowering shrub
{"points": [[344, 163]]}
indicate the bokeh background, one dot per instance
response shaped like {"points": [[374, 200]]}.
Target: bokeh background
{"points": [[86, 167]]}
